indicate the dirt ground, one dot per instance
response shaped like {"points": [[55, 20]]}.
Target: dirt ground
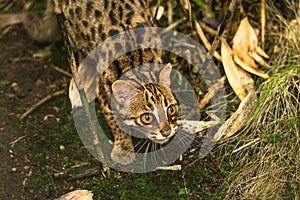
{"points": [[24, 80], [46, 143]]}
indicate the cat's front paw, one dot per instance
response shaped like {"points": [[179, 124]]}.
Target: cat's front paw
{"points": [[122, 156]]}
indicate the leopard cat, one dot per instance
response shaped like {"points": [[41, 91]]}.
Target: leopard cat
{"points": [[144, 99]]}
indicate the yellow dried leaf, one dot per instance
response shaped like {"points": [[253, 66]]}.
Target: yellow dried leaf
{"points": [[248, 68], [240, 80], [246, 50], [259, 59], [261, 52], [77, 195], [239, 119], [243, 41]]}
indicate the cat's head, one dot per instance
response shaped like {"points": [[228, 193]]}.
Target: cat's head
{"points": [[151, 108]]}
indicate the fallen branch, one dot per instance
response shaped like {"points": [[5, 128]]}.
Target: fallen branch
{"points": [[84, 173], [17, 140], [42, 101], [206, 43], [61, 71], [172, 168], [78, 83]]}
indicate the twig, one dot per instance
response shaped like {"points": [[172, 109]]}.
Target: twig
{"points": [[227, 19], [205, 41], [208, 29], [232, 7], [5, 31], [174, 24], [212, 91], [170, 12], [84, 173], [61, 71], [42, 101], [73, 65], [244, 146], [172, 168], [17, 140], [263, 21]]}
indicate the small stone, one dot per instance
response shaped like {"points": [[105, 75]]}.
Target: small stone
{"points": [[62, 147]]}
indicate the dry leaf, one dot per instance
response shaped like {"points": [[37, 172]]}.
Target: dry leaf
{"points": [[244, 42], [248, 68], [77, 195], [239, 119], [240, 80], [255, 55]]}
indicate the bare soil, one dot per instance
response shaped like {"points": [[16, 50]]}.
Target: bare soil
{"points": [[46, 142], [24, 80]]}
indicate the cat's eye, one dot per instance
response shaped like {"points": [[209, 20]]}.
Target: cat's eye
{"points": [[146, 118], [172, 110]]}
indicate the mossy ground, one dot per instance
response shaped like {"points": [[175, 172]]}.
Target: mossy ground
{"points": [[35, 151], [47, 142]]}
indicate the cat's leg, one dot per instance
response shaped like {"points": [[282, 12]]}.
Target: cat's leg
{"points": [[123, 150]]}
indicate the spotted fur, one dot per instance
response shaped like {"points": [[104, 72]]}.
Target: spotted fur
{"points": [[141, 102]]}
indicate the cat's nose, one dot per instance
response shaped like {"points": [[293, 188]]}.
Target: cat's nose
{"points": [[166, 133]]}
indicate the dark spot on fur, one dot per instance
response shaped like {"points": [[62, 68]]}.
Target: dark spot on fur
{"points": [[105, 4], [120, 12], [118, 46], [113, 32], [92, 30], [85, 23], [100, 28], [129, 17], [113, 5], [107, 82], [103, 36], [142, 3], [78, 10], [71, 12], [110, 54], [141, 25], [97, 13], [112, 18], [70, 22], [89, 6], [127, 6], [139, 39]]}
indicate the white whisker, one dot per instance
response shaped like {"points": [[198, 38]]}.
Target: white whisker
{"points": [[144, 157]]}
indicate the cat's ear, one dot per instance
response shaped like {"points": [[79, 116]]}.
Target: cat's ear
{"points": [[122, 91], [164, 75]]}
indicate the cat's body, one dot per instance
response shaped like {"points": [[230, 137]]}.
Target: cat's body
{"points": [[144, 103]]}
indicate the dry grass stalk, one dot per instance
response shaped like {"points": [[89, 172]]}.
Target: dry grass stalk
{"points": [[266, 162]]}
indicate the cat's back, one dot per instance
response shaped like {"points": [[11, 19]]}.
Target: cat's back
{"points": [[90, 22]]}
